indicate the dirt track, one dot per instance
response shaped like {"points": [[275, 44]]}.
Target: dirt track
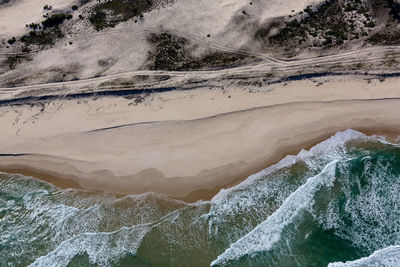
{"points": [[272, 68]]}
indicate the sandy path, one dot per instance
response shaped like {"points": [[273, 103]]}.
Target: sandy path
{"points": [[368, 55]]}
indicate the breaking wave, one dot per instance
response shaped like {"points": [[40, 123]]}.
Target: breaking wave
{"points": [[338, 202], [389, 256]]}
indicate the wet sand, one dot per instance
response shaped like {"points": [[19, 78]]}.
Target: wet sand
{"points": [[192, 146]]}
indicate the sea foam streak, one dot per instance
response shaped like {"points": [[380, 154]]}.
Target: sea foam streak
{"points": [[102, 248], [329, 149], [263, 237], [362, 209], [272, 185], [260, 214], [387, 257]]}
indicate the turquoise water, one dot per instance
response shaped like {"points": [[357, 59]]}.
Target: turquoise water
{"points": [[337, 204]]}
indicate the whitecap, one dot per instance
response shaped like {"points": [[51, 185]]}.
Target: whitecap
{"points": [[332, 148], [265, 235], [387, 257], [102, 248], [265, 191]]}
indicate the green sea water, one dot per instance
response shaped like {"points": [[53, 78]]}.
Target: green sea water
{"points": [[337, 204]]}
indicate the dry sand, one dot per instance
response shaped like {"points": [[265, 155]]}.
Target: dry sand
{"points": [[14, 16], [187, 144]]}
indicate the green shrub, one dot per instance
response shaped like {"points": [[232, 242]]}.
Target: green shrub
{"points": [[33, 26], [327, 41], [308, 10], [42, 37], [13, 60], [112, 12], [11, 40], [350, 7], [99, 20], [54, 20], [370, 24]]}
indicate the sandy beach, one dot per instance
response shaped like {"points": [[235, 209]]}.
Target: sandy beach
{"points": [[199, 133], [168, 145]]}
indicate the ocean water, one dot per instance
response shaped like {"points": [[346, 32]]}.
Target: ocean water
{"points": [[337, 204]]}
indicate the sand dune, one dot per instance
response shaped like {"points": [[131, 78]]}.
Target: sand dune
{"points": [[14, 16]]}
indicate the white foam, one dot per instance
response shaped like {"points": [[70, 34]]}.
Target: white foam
{"points": [[98, 229], [268, 189], [371, 205], [102, 248], [265, 235], [387, 257], [257, 187], [331, 148]]}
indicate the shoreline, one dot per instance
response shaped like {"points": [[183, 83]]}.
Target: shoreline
{"points": [[64, 181], [220, 139]]}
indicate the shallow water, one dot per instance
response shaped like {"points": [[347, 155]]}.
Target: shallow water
{"points": [[337, 204]]}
